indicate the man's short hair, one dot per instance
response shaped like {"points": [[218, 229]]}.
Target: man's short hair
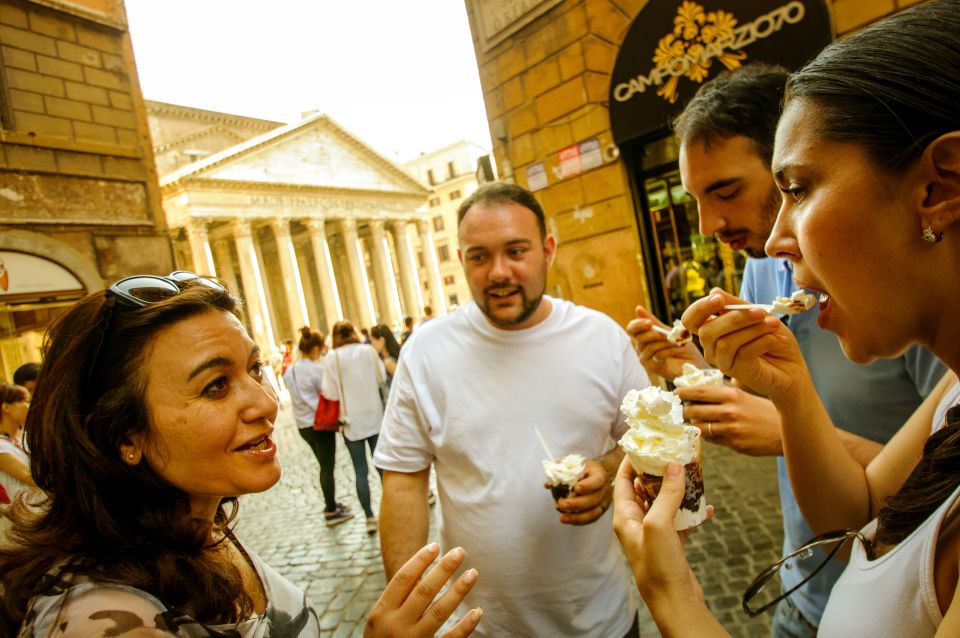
{"points": [[499, 192], [745, 101], [26, 373]]}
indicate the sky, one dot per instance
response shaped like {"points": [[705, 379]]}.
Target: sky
{"points": [[399, 74]]}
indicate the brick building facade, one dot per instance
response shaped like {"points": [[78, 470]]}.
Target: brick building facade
{"points": [[79, 199]]}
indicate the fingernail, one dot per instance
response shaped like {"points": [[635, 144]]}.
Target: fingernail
{"points": [[673, 470], [476, 614], [432, 548], [469, 576], [456, 553]]}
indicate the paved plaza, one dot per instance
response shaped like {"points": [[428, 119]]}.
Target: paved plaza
{"points": [[340, 568]]}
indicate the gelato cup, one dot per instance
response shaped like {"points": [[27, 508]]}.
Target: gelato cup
{"points": [[693, 376], [650, 465], [658, 436], [563, 474]]}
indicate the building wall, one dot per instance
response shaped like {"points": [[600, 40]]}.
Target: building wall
{"points": [[546, 88], [77, 176], [448, 190]]}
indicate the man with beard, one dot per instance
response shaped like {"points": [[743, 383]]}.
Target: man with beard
{"points": [[726, 144], [471, 390]]}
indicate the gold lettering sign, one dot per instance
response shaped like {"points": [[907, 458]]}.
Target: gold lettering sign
{"points": [[698, 39]]}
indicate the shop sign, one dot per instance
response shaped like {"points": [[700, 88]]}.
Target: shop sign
{"points": [[674, 46], [25, 277]]}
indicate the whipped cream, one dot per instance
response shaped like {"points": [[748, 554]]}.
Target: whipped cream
{"points": [[679, 334], [796, 303], [693, 376], [564, 471], [657, 433]]}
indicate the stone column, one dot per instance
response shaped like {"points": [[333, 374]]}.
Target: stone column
{"points": [[433, 269], [292, 285], [253, 293], [407, 260], [224, 263], [386, 280], [200, 247], [329, 295], [358, 273]]}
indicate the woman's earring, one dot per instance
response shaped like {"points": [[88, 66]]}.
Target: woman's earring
{"points": [[130, 456], [931, 237]]}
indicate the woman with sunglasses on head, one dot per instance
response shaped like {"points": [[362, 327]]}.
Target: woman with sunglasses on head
{"points": [[151, 417], [867, 155], [14, 460]]}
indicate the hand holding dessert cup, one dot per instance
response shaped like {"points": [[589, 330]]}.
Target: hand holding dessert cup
{"points": [[580, 488], [654, 549]]}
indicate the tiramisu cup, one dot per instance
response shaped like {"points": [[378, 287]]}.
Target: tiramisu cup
{"points": [[658, 436], [563, 474]]}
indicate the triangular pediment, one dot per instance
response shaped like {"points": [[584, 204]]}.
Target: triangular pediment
{"points": [[315, 152]]}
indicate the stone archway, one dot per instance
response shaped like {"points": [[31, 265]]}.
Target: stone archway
{"points": [[36, 244]]}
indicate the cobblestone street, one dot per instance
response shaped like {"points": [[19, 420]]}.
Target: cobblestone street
{"points": [[340, 568]]}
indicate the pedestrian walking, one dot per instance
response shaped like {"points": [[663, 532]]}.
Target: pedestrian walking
{"points": [[383, 341], [304, 380], [351, 375]]}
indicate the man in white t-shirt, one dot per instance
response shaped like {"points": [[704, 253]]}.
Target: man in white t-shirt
{"points": [[470, 391]]}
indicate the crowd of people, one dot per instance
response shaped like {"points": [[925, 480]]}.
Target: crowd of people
{"points": [[124, 455]]}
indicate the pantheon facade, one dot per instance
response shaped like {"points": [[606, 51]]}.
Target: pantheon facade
{"points": [[305, 220]]}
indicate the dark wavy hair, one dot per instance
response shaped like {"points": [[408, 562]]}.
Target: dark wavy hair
{"points": [[98, 516], [891, 89], [745, 101], [381, 331]]}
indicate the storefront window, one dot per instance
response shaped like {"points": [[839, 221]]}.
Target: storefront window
{"points": [[689, 264]]}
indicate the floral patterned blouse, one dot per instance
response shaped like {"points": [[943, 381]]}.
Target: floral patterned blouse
{"points": [[83, 608]]}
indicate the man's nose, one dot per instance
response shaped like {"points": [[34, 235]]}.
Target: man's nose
{"points": [[499, 268], [710, 222]]}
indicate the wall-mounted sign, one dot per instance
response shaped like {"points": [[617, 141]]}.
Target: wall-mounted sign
{"points": [[25, 277], [674, 46], [590, 155], [499, 19], [536, 177], [570, 161]]}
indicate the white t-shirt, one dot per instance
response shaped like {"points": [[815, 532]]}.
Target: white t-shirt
{"points": [[467, 396], [304, 379], [360, 367]]}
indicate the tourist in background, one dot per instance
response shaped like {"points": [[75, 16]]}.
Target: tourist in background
{"points": [[14, 460], [351, 373], [303, 380]]}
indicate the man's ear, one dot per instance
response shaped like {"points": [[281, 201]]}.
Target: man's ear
{"points": [[549, 249], [940, 208]]}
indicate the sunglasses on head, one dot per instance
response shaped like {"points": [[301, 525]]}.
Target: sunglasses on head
{"points": [[140, 291]]}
